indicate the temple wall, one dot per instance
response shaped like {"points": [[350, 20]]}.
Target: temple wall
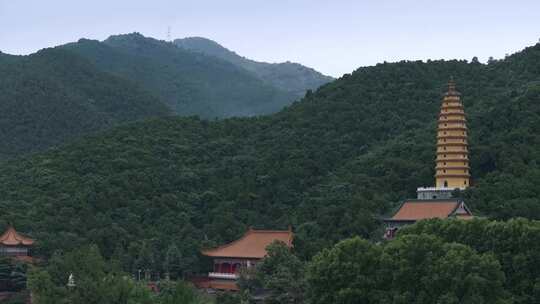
{"points": [[434, 194]]}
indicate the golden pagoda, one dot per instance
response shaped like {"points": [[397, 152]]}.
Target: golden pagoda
{"points": [[451, 171], [452, 164], [452, 161]]}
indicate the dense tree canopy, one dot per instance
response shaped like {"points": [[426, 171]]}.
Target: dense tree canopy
{"points": [[54, 96], [331, 165], [411, 269], [347, 273], [12, 275], [514, 243], [280, 272], [432, 261], [101, 282]]}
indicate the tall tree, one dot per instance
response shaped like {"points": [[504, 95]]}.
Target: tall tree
{"points": [[18, 277], [5, 273], [174, 264], [145, 260], [282, 273], [514, 243], [346, 273]]}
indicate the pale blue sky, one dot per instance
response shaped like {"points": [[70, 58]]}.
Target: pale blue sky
{"points": [[335, 37]]}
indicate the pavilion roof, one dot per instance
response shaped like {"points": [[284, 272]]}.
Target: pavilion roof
{"points": [[415, 210], [252, 244], [12, 238]]}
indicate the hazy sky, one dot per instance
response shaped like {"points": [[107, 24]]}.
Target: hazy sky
{"points": [[334, 37]]}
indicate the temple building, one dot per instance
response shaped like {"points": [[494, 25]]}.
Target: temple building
{"points": [[411, 211], [245, 252], [451, 170], [452, 162], [15, 245]]}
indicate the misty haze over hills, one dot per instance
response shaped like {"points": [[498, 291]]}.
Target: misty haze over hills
{"points": [[190, 83], [290, 77], [59, 94]]}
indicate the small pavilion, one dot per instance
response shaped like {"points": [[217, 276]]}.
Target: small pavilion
{"points": [[245, 252], [15, 245]]}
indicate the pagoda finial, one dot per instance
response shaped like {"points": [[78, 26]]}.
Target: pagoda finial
{"points": [[451, 84], [452, 88]]}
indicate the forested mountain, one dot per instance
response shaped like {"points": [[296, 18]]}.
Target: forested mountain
{"points": [[59, 94], [331, 165], [287, 76], [54, 95], [190, 83]]}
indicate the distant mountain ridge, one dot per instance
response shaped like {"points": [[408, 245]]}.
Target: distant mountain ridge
{"points": [[62, 93], [288, 76], [190, 83]]}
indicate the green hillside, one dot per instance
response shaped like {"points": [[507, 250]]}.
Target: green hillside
{"points": [[330, 165], [53, 96], [287, 76], [190, 83]]}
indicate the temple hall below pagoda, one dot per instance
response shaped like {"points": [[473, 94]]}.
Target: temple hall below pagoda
{"points": [[451, 171]]}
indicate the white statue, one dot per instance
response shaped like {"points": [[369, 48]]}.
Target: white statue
{"points": [[71, 280]]}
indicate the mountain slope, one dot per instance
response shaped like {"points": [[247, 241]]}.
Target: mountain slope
{"points": [[52, 96], [287, 76], [331, 165], [190, 83]]}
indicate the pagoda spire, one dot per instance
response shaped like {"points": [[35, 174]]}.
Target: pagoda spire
{"points": [[452, 91], [452, 163], [451, 84]]}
